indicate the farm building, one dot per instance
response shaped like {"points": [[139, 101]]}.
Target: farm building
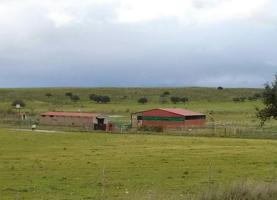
{"points": [[168, 118], [79, 119]]}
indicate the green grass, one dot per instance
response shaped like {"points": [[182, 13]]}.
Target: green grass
{"points": [[36, 165]]}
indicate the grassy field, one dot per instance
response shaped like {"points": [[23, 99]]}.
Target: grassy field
{"points": [[38, 165]]}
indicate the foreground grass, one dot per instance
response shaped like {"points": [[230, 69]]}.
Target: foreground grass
{"points": [[38, 165]]}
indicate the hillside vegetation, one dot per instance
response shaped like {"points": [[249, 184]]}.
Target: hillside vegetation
{"points": [[226, 113]]}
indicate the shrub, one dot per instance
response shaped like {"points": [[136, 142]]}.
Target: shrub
{"points": [[104, 99], [99, 99], [166, 93], [18, 102], [219, 88], [75, 98], [142, 100]]}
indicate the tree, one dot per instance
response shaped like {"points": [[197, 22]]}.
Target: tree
{"points": [[166, 93], [269, 97], [99, 98], [48, 94], [219, 88], [104, 99], [175, 99], [75, 98], [18, 102], [142, 100]]}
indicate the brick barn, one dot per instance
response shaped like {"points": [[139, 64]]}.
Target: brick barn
{"points": [[77, 119], [168, 118]]}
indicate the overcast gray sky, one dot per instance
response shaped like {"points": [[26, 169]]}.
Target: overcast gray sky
{"points": [[230, 43]]}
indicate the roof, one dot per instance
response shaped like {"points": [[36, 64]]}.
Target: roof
{"points": [[179, 111], [70, 114]]}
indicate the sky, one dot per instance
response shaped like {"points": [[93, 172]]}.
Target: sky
{"points": [[137, 43]]}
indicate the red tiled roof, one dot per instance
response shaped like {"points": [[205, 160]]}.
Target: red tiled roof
{"points": [[181, 111], [70, 114]]}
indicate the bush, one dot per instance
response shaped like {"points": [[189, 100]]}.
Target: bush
{"points": [[142, 100], [75, 98], [99, 99], [18, 102], [104, 99], [219, 88], [166, 93]]}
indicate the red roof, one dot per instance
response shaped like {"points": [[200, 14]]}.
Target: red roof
{"points": [[69, 114], [179, 111]]}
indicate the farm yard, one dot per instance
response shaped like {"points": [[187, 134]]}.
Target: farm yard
{"points": [[71, 163], [225, 116]]}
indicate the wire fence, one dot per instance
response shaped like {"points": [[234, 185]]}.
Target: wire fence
{"points": [[211, 129]]}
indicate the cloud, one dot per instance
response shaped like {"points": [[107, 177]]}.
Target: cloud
{"points": [[68, 12], [190, 11], [137, 43]]}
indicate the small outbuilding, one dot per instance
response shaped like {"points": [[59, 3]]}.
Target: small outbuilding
{"points": [[78, 119], [168, 118]]}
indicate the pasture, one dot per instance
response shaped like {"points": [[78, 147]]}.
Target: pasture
{"points": [[73, 165]]}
